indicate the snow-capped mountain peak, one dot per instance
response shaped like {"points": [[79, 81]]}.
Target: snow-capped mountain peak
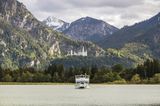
{"points": [[56, 24]]}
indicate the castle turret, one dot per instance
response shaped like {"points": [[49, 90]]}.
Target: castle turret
{"points": [[84, 53], [71, 52]]}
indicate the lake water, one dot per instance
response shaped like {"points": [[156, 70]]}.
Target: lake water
{"points": [[66, 95]]}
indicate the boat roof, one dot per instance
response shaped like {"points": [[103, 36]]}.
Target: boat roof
{"points": [[81, 75]]}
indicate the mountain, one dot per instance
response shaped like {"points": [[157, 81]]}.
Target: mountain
{"points": [[130, 45], [152, 39], [56, 24], [138, 42], [89, 29], [129, 33], [27, 42]]}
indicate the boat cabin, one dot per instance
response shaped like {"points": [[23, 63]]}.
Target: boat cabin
{"points": [[82, 81]]}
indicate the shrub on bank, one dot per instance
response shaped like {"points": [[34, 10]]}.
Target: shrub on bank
{"points": [[136, 79], [122, 81], [7, 78], [155, 79]]}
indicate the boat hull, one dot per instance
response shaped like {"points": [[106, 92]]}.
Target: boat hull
{"points": [[82, 86]]}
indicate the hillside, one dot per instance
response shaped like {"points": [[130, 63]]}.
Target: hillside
{"points": [[138, 42], [27, 42], [129, 33], [89, 29]]}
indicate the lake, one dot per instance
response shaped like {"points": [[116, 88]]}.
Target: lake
{"points": [[66, 95]]}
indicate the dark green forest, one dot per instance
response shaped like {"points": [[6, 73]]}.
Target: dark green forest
{"points": [[148, 73]]}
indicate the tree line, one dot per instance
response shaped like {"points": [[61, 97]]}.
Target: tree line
{"points": [[148, 72]]}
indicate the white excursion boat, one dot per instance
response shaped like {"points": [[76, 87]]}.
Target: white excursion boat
{"points": [[82, 81]]}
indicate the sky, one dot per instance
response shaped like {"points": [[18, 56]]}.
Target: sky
{"points": [[115, 12]]}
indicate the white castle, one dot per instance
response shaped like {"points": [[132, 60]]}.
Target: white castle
{"points": [[80, 53]]}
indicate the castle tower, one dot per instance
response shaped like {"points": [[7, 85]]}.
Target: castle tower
{"points": [[83, 51], [71, 52]]}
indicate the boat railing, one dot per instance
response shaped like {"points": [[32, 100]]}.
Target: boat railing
{"points": [[81, 76]]}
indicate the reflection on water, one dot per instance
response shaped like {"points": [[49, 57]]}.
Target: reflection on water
{"points": [[66, 95]]}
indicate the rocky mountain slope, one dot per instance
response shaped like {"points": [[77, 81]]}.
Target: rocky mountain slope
{"points": [[25, 41], [152, 39], [138, 42], [56, 24], [89, 29], [129, 33]]}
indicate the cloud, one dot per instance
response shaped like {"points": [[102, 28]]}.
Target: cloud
{"points": [[106, 3], [61, 5], [115, 12], [53, 5]]}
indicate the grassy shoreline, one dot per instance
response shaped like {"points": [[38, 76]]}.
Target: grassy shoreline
{"points": [[33, 83], [50, 83]]}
